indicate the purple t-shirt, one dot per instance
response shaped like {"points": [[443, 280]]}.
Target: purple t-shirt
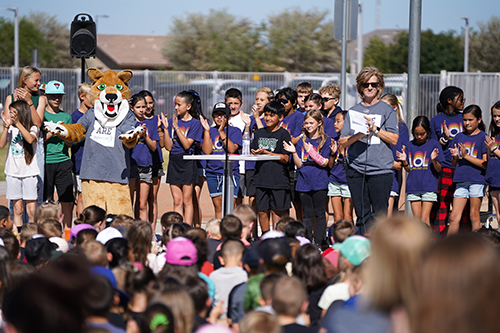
{"points": [[77, 147], [336, 174], [329, 127], [465, 171], [140, 154], [191, 129], [311, 176], [492, 176], [250, 165], [422, 177], [157, 154], [293, 123], [454, 124], [404, 135], [218, 149]]}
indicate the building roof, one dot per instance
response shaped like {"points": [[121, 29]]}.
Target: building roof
{"points": [[132, 51]]}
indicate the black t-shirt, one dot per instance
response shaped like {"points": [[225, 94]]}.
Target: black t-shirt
{"points": [[271, 174], [296, 328]]}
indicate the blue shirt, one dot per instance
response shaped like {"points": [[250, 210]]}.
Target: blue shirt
{"points": [[140, 154], [465, 171], [454, 123], [218, 149], [191, 129], [422, 177], [312, 176]]}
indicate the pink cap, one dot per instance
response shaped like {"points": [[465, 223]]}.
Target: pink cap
{"points": [[181, 251]]}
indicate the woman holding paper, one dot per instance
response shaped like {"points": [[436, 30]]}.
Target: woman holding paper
{"points": [[369, 129]]}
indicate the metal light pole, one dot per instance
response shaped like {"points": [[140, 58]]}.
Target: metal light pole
{"points": [[97, 20], [466, 46], [16, 37], [360, 37]]}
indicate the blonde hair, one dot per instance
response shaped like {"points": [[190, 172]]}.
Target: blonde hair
{"points": [[50, 227], [304, 88], [27, 231], [398, 246], [364, 75], [331, 89], [181, 305], [26, 72], [246, 214], [47, 210], [213, 227], [259, 322], [268, 91], [393, 101], [84, 88], [318, 116], [288, 295]]}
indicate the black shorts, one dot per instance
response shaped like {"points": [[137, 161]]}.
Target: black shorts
{"points": [[249, 183], [60, 176], [242, 189], [494, 188], [158, 170], [272, 199], [181, 171]]}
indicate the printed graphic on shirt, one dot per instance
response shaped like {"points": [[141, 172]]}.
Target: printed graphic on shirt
{"points": [[419, 160], [497, 145], [217, 145], [104, 136], [183, 130], [268, 143], [16, 146], [470, 148], [454, 129]]}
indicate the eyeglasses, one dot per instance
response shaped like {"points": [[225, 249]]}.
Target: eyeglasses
{"points": [[367, 84], [327, 99], [282, 100]]}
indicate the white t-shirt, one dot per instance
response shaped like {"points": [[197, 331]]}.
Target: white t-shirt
{"points": [[236, 121], [15, 165], [338, 291]]}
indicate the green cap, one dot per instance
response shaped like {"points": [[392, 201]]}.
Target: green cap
{"points": [[355, 248]]}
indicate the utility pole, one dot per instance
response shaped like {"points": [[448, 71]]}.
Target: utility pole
{"points": [[466, 46]]}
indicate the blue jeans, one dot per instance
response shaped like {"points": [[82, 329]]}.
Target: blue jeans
{"points": [[370, 196]]}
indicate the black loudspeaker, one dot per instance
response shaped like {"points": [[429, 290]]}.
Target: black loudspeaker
{"points": [[83, 40]]}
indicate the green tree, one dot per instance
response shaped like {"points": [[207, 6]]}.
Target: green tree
{"points": [[485, 46], [437, 52], [300, 41], [217, 41]]}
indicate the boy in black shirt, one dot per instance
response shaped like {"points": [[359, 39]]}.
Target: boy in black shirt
{"points": [[271, 178]]}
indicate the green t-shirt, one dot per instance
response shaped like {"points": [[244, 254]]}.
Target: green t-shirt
{"points": [[55, 149]]}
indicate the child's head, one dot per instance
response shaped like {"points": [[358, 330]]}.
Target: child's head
{"points": [[54, 91], [150, 102], [495, 119], [5, 218], [138, 106], [421, 128], [187, 101], [10, 242], [181, 305], [313, 102], [288, 97], [172, 231], [198, 290], [274, 112], [393, 101], [99, 297], [263, 96], [29, 78], [122, 220], [259, 322], [140, 236], [22, 109], [472, 118], [230, 227], [93, 215], [84, 94], [232, 251], [303, 89], [48, 210], [296, 228], [201, 248], [289, 297], [266, 288], [95, 253], [213, 228], [451, 96], [309, 267], [118, 252], [313, 123], [157, 319], [28, 231], [491, 236], [219, 113], [331, 95], [274, 254], [248, 218], [339, 121], [169, 218], [283, 222], [342, 229], [50, 228], [233, 98]]}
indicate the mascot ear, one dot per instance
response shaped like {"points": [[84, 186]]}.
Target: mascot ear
{"points": [[94, 74], [125, 75]]}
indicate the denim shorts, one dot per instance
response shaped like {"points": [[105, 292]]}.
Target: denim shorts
{"points": [[426, 196], [144, 174], [469, 190], [215, 184], [338, 190]]}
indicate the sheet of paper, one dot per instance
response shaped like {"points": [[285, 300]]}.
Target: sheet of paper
{"points": [[358, 124]]}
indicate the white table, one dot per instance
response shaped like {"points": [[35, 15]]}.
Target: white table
{"points": [[227, 190]]}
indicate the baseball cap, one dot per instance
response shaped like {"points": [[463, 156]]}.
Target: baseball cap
{"points": [[108, 274], [54, 88], [355, 248], [39, 249], [270, 248], [221, 107], [62, 244], [108, 234], [181, 251], [79, 227]]}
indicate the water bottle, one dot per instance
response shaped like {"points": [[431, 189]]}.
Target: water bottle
{"points": [[246, 144]]}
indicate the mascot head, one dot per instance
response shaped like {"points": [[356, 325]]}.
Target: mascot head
{"points": [[109, 95]]}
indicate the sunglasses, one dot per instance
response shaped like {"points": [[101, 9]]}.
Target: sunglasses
{"points": [[282, 100], [367, 84], [327, 99], [219, 115]]}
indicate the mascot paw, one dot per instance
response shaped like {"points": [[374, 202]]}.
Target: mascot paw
{"points": [[132, 134], [56, 129]]}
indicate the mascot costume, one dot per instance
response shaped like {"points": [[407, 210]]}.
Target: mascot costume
{"points": [[109, 129]]}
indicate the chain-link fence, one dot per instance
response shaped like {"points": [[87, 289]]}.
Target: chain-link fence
{"points": [[480, 88]]}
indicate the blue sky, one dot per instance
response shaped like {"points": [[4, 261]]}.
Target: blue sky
{"points": [[155, 16]]}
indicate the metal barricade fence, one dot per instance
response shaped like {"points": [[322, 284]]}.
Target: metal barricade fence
{"points": [[480, 88]]}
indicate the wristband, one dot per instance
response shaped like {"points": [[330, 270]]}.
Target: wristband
{"points": [[30, 105], [377, 130], [443, 140], [494, 148]]}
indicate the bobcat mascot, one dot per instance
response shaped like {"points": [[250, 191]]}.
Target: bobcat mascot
{"points": [[109, 129]]}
